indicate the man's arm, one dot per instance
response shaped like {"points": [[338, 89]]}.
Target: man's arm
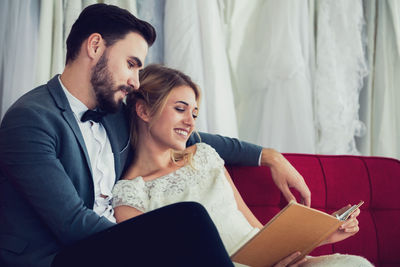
{"points": [[236, 152], [232, 150], [285, 176], [29, 161]]}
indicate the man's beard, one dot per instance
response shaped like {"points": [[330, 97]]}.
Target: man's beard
{"points": [[104, 87]]}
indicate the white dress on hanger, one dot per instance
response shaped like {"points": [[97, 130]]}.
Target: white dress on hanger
{"points": [[195, 44], [385, 109], [341, 68], [271, 57]]}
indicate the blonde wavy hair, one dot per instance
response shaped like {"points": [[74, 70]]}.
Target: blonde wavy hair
{"points": [[156, 83]]}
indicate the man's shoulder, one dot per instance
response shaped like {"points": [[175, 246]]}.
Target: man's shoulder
{"points": [[34, 95], [36, 99], [42, 97], [36, 103]]}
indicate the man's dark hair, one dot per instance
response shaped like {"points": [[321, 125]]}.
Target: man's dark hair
{"points": [[112, 22]]}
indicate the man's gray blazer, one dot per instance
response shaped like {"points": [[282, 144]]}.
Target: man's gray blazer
{"points": [[46, 185]]}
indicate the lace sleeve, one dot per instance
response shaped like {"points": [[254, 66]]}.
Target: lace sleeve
{"points": [[209, 156], [130, 193]]}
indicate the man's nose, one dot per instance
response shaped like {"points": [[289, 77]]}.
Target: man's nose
{"points": [[134, 82]]}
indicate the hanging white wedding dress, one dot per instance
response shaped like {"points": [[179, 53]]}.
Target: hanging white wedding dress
{"points": [[194, 44], [341, 68], [385, 109], [271, 61]]}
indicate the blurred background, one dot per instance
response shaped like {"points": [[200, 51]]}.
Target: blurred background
{"points": [[302, 76]]}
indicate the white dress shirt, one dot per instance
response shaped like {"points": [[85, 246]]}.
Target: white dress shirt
{"points": [[101, 157]]}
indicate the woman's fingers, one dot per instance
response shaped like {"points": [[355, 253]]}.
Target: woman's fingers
{"points": [[287, 260], [355, 213], [350, 223], [352, 230], [298, 263], [350, 226]]}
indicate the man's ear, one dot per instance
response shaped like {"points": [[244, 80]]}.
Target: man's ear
{"points": [[95, 45], [142, 111]]}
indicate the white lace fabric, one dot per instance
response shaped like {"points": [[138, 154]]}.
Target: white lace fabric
{"points": [[205, 183], [341, 68]]}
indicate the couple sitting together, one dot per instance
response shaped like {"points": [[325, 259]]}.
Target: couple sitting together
{"points": [[164, 171], [126, 184]]}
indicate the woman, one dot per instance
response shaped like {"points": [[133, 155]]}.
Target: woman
{"points": [[164, 171]]}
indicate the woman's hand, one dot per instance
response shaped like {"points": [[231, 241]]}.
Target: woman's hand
{"points": [[286, 261], [347, 229]]}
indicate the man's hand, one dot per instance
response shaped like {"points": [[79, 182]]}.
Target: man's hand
{"points": [[285, 175]]}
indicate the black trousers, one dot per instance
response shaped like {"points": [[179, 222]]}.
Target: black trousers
{"points": [[181, 234]]}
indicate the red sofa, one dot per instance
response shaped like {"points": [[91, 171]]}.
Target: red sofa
{"points": [[336, 181]]}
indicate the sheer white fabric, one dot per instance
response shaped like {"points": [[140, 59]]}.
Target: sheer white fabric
{"points": [[336, 260], [194, 43], [271, 64], [205, 183], [51, 47], [129, 5], [152, 11], [18, 35], [270, 55], [182, 49], [385, 109], [341, 68], [72, 9], [364, 143]]}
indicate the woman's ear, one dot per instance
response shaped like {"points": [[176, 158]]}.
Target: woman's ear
{"points": [[142, 111]]}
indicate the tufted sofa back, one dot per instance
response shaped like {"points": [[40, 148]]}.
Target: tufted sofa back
{"points": [[336, 181]]}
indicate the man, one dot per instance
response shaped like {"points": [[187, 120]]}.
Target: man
{"points": [[64, 144]]}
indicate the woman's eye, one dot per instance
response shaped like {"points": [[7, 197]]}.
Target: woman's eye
{"points": [[180, 109], [130, 65]]}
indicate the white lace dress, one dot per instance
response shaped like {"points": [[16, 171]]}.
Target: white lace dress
{"points": [[205, 183]]}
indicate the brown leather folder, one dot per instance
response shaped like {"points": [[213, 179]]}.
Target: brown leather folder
{"points": [[294, 228]]}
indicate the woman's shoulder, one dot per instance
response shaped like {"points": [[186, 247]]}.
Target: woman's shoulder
{"points": [[204, 152], [122, 184], [130, 193], [200, 147]]}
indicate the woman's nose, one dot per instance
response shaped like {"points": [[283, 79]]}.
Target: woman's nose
{"points": [[189, 120]]}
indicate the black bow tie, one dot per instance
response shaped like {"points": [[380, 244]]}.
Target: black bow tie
{"points": [[92, 115]]}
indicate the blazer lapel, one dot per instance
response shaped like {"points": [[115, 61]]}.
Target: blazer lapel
{"points": [[70, 118], [61, 101], [117, 127], [113, 137]]}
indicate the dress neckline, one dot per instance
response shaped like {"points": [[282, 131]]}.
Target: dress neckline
{"points": [[170, 173]]}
